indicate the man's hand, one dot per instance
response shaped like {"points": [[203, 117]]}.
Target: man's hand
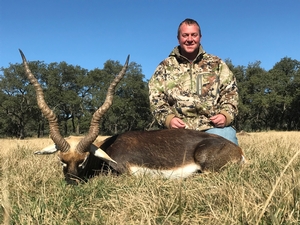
{"points": [[218, 120], [177, 123]]}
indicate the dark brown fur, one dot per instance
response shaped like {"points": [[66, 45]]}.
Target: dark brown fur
{"points": [[169, 149]]}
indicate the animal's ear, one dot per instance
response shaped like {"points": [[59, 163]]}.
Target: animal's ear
{"points": [[102, 155], [47, 150]]}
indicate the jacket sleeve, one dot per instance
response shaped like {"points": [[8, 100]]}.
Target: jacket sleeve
{"points": [[159, 103], [228, 93]]}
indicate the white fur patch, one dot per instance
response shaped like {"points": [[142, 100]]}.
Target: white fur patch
{"points": [[243, 160], [179, 172], [47, 150]]}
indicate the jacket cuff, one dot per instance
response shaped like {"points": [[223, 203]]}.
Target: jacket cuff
{"points": [[168, 120], [228, 117]]}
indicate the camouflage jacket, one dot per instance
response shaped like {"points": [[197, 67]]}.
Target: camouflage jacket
{"points": [[193, 91]]}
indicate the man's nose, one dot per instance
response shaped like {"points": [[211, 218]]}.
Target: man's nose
{"points": [[190, 38]]}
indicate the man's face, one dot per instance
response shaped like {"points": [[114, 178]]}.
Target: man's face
{"points": [[189, 40]]}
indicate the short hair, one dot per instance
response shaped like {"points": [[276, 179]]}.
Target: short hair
{"points": [[188, 21]]}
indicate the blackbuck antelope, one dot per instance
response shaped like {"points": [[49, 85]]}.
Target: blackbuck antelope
{"points": [[170, 153]]}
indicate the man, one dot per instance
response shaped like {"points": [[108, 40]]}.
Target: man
{"points": [[192, 89]]}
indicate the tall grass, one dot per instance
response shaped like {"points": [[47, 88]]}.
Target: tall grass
{"points": [[265, 191]]}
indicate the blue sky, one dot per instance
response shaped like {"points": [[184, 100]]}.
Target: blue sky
{"points": [[89, 32]]}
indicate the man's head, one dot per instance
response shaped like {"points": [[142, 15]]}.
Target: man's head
{"points": [[189, 35]]}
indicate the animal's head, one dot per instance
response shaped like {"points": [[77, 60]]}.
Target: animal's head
{"points": [[74, 152], [77, 166]]}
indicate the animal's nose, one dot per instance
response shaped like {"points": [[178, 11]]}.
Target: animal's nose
{"points": [[73, 180]]}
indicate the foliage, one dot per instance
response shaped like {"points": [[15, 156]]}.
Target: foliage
{"points": [[269, 100], [130, 109], [74, 94], [18, 107]]}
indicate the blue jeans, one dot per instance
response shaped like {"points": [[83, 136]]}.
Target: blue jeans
{"points": [[226, 132]]}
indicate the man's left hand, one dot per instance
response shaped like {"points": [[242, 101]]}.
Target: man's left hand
{"points": [[218, 120]]}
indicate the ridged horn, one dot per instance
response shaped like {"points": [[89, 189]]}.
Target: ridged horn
{"points": [[94, 127], [55, 135]]}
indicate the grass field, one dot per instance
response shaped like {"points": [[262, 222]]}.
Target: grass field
{"points": [[265, 191]]}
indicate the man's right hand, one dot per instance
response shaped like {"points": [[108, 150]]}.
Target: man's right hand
{"points": [[177, 123]]}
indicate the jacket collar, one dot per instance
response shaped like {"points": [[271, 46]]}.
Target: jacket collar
{"points": [[180, 58]]}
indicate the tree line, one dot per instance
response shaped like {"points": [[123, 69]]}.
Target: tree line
{"points": [[74, 94], [268, 100]]}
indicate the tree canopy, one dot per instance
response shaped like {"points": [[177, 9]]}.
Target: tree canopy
{"points": [[74, 94], [268, 100]]}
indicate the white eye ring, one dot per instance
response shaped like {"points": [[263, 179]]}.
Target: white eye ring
{"points": [[83, 164], [63, 164]]}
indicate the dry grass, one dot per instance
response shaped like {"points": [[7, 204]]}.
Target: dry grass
{"points": [[266, 191]]}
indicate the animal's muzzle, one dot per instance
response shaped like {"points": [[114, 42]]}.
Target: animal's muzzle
{"points": [[73, 180]]}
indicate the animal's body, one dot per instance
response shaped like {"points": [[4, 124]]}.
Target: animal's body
{"points": [[170, 153], [173, 153]]}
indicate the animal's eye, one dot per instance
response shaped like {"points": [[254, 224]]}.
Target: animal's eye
{"points": [[63, 164], [83, 164]]}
